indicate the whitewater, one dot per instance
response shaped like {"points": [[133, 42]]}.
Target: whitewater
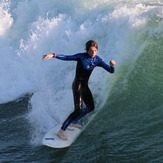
{"points": [[37, 95]]}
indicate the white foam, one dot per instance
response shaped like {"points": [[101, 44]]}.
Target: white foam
{"points": [[5, 17]]}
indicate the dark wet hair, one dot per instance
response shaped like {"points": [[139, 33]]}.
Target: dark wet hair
{"points": [[91, 43]]}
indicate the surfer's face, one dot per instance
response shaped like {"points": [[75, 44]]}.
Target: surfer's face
{"points": [[92, 51]]}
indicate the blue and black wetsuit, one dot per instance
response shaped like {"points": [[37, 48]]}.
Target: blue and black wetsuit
{"points": [[81, 91]]}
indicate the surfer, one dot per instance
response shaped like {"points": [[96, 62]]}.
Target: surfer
{"points": [[86, 62]]}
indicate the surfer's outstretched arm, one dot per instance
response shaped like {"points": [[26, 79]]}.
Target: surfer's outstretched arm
{"points": [[62, 57]]}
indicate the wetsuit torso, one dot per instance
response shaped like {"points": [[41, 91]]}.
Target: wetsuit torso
{"points": [[85, 64], [81, 91]]}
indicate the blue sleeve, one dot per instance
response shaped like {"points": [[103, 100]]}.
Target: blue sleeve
{"points": [[68, 57], [106, 66]]}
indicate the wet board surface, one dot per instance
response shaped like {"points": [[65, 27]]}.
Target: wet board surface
{"points": [[51, 139]]}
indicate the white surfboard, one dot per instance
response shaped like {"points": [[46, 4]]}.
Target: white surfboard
{"points": [[51, 139]]}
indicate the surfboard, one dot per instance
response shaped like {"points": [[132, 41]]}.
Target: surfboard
{"points": [[51, 139]]}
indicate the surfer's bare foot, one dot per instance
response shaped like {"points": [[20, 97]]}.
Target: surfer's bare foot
{"points": [[62, 135], [75, 125]]}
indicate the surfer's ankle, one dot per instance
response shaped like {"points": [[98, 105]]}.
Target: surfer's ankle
{"points": [[62, 135], [76, 125]]}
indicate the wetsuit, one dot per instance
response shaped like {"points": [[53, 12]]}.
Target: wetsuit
{"points": [[81, 91]]}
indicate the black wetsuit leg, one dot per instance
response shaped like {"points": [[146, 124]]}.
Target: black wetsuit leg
{"points": [[76, 87], [88, 100], [81, 93]]}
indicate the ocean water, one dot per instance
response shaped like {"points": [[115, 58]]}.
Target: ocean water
{"points": [[35, 95]]}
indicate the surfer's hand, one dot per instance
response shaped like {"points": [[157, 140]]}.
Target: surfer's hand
{"points": [[49, 56], [112, 63]]}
